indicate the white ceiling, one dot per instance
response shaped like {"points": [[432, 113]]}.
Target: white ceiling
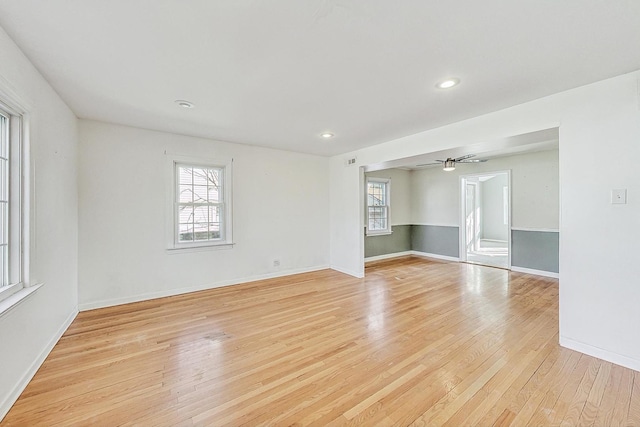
{"points": [[278, 73]]}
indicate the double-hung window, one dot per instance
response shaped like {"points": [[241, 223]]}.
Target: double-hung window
{"points": [[13, 213], [201, 208], [378, 206]]}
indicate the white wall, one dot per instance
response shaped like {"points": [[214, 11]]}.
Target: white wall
{"points": [[534, 186], [599, 126], [492, 208], [29, 330], [280, 202], [400, 194]]}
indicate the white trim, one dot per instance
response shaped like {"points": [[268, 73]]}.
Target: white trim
{"points": [[436, 256], [189, 289], [436, 225], [387, 256], [387, 205], [379, 233], [600, 353], [462, 198], [541, 230], [358, 275], [536, 272], [226, 164], [14, 394], [7, 304]]}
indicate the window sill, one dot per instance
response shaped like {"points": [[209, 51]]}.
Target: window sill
{"points": [[199, 248], [379, 233], [8, 304]]}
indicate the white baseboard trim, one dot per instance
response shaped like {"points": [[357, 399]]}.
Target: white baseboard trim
{"points": [[11, 398], [536, 272], [388, 256], [600, 353], [436, 256], [357, 275], [186, 290]]}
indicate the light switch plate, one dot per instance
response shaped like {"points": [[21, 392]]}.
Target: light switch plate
{"points": [[619, 196]]}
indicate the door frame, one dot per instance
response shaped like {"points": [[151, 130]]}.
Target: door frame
{"points": [[462, 198]]}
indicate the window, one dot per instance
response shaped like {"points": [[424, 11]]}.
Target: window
{"points": [[4, 198], [201, 208], [13, 214], [378, 202]]}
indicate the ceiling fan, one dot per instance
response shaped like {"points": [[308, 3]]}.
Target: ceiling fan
{"points": [[450, 163]]}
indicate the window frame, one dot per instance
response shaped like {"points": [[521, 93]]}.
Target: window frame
{"points": [[18, 286], [387, 206], [174, 245]]}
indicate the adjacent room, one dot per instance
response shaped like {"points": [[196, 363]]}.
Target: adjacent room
{"points": [[329, 212]]}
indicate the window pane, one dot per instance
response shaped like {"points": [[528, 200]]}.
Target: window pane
{"points": [[214, 193], [4, 223], [199, 176], [186, 194], [201, 214], [185, 233], [185, 214], [184, 175], [200, 194], [214, 213]]}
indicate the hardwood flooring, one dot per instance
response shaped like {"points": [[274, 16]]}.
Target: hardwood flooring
{"points": [[417, 342]]}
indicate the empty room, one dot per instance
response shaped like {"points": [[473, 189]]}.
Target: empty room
{"points": [[319, 212]]}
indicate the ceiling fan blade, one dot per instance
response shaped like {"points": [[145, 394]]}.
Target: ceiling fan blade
{"points": [[464, 157], [470, 161], [428, 164]]}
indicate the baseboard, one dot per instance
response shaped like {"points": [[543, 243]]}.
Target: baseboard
{"points": [[600, 353], [357, 275], [536, 272], [186, 290], [8, 402], [387, 256], [436, 256]]}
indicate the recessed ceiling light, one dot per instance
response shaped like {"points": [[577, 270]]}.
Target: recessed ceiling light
{"points": [[327, 135], [448, 83], [184, 104]]}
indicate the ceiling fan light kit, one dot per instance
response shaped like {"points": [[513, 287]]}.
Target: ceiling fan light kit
{"points": [[449, 165]]}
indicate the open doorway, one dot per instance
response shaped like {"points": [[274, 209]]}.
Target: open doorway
{"points": [[485, 225]]}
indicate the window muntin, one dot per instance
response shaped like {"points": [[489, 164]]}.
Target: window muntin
{"points": [[378, 202]]}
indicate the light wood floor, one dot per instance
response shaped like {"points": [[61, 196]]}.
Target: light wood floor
{"points": [[417, 342]]}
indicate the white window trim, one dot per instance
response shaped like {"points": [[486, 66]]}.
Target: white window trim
{"points": [[21, 215], [388, 230], [172, 245]]}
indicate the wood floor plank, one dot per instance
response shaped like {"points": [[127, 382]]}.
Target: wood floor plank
{"points": [[419, 341]]}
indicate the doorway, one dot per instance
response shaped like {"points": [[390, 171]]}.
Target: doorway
{"points": [[485, 224]]}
